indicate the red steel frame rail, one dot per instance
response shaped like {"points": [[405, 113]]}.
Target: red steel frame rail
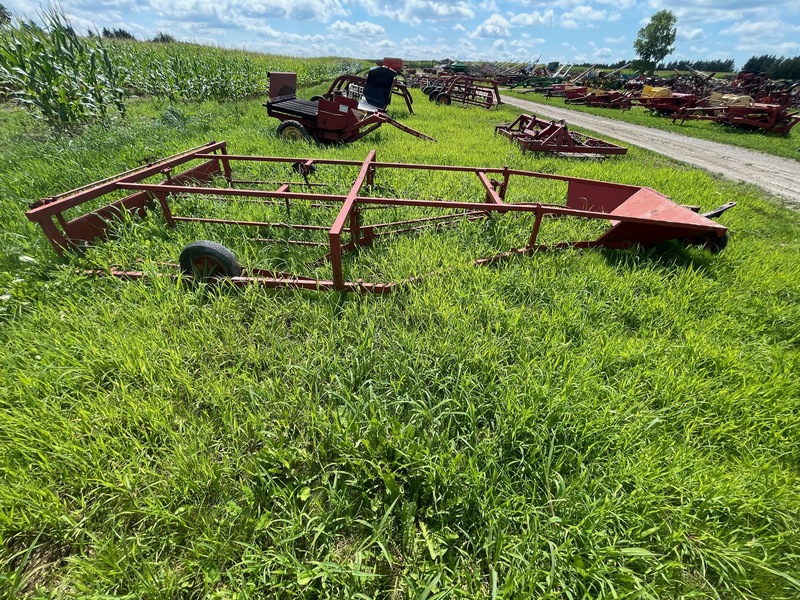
{"points": [[636, 215]]}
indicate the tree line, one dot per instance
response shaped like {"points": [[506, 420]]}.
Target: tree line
{"points": [[708, 66], [774, 67], [124, 34]]}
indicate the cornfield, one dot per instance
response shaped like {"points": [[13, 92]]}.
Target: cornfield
{"points": [[187, 72], [66, 79], [59, 76]]}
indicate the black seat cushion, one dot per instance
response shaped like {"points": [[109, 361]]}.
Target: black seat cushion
{"points": [[378, 88]]}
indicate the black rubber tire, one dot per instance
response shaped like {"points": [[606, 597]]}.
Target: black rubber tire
{"points": [[426, 90], [444, 99], [712, 243], [205, 260], [292, 130], [434, 94], [317, 98]]}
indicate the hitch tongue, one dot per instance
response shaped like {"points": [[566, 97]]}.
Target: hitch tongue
{"points": [[713, 214]]}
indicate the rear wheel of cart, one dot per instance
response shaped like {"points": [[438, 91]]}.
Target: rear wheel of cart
{"points": [[205, 260], [712, 243], [443, 99], [292, 130]]}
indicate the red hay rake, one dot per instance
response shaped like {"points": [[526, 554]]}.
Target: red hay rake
{"points": [[635, 215], [465, 90], [536, 135]]}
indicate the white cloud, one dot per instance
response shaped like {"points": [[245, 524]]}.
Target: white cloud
{"points": [[458, 27], [761, 28], [692, 35], [585, 14], [621, 4], [362, 28], [528, 43], [495, 26], [610, 40], [549, 4], [415, 12], [302, 10], [758, 45], [534, 18], [384, 45]]}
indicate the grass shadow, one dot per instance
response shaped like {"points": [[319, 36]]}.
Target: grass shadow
{"points": [[667, 255]]}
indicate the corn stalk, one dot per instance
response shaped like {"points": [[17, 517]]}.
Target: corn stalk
{"points": [[57, 75]]}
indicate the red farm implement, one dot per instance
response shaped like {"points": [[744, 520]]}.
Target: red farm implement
{"points": [[537, 135], [602, 99], [664, 101], [463, 89], [206, 197], [572, 92], [338, 119], [742, 112]]}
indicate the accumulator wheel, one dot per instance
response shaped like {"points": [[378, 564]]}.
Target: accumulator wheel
{"points": [[443, 99], [206, 261], [292, 130]]}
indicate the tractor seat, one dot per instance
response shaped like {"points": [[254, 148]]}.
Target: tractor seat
{"points": [[377, 89]]}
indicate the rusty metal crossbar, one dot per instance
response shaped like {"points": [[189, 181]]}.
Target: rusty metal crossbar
{"points": [[636, 215]]}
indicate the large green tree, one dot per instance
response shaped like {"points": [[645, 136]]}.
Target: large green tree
{"points": [[655, 40]]}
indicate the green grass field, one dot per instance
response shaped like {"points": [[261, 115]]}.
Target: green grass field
{"points": [[574, 424], [787, 146]]}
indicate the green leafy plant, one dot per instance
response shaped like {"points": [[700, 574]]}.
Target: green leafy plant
{"points": [[60, 77]]}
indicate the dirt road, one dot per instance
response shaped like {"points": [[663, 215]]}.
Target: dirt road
{"points": [[779, 176]]}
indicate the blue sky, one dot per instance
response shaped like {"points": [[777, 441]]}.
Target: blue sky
{"points": [[493, 30]]}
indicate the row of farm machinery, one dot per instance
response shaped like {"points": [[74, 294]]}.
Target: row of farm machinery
{"points": [[749, 101], [276, 198]]}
